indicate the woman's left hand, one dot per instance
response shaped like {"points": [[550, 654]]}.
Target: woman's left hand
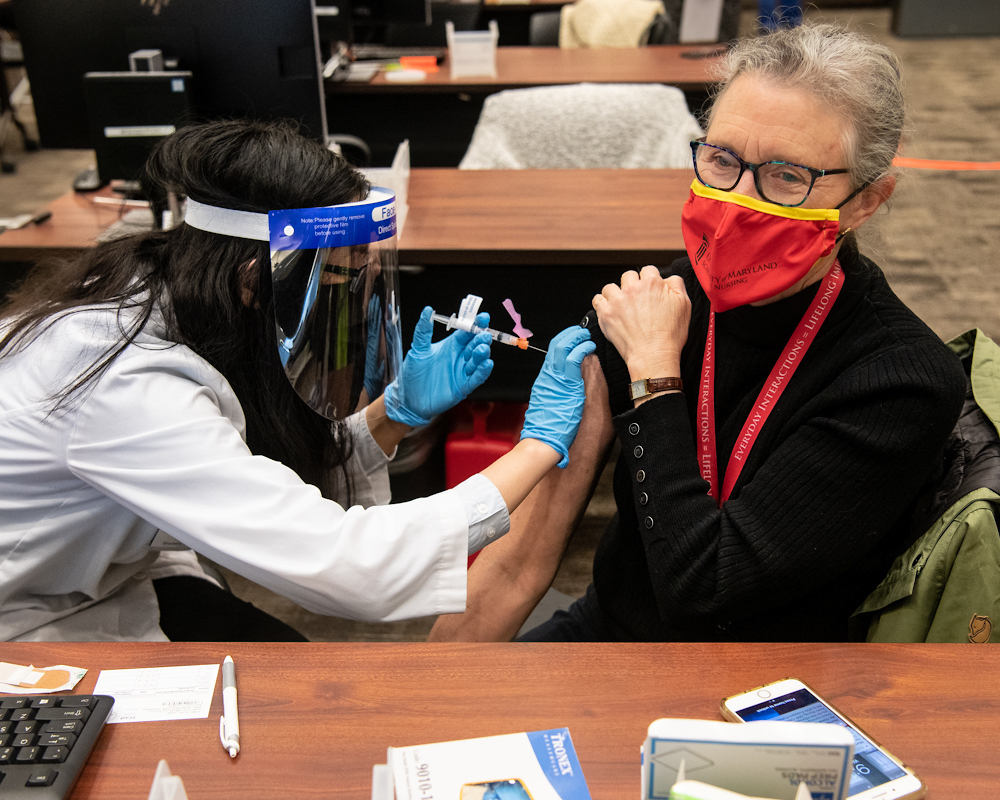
{"points": [[646, 319]]}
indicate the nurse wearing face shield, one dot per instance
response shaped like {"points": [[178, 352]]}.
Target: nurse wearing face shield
{"points": [[236, 385]]}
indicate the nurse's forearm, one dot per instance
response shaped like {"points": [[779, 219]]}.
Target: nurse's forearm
{"points": [[386, 432], [516, 473]]}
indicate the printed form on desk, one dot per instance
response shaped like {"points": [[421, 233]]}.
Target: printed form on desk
{"points": [[158, 693]]}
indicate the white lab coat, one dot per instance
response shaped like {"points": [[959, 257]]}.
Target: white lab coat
{"points": [[158, 443]]}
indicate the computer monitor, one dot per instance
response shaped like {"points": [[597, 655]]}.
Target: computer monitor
{"points": [[256, 58], [366, 20], [129, 112]]}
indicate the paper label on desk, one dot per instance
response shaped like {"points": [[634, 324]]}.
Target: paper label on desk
{"points": [[17, 679], [158, 693]]}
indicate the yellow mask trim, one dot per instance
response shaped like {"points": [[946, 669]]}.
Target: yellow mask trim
{"points": [[808, 214]]}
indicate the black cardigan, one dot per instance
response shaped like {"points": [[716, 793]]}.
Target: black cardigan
{"points": [[820, 509]]}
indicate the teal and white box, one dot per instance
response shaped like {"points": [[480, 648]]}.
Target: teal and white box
{"points": [[538, 765], [765, 759]]}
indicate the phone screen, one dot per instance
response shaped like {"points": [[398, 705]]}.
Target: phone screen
{"points": [[871, 767]]}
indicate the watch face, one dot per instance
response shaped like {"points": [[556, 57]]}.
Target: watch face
{"points": [[638, 389]]}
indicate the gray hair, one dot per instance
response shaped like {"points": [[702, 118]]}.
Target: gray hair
{"points": [[848, 72]]}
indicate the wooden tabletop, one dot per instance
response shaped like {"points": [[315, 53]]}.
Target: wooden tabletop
{"points": [[507, 217], [621, 217], [314, 718], [518, 67], [74, 225]]}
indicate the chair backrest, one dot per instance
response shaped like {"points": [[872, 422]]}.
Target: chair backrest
{"points": [[945, 587], [607, 23], [543, 29], [583, 126]]}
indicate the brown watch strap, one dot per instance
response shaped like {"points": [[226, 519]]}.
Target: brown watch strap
{"points": [[654, 385], [647, 386]]}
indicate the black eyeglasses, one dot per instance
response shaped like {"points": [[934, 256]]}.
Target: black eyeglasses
{"points": [[778, 182]]}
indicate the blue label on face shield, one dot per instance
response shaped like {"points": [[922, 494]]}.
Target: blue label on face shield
{"points": [[370, 220]]}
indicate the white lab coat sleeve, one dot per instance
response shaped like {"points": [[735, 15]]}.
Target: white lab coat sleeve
{"points": [[161, 434], [367, 466]]}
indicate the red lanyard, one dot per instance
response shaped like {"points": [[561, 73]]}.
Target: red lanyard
{"points": [[775, 384]]}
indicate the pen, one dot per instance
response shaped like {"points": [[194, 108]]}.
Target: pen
{"points": [[229, 722]]}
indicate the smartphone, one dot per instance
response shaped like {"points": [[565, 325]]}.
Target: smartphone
{"points": [[877, 774]]}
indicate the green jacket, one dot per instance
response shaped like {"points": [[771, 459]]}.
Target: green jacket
{"points": [[946, 586]]}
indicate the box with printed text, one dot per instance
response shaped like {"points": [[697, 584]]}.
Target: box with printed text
{"points": [[538, 765]]}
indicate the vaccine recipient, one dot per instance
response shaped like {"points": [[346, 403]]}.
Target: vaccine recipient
{"points": [[235, 385]]}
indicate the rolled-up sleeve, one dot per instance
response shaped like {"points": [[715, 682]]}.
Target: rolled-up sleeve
{"points": [[485, 511]]}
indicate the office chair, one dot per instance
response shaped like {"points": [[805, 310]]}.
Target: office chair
{"points": [[583, 126], [10, 56], [543, 29]]}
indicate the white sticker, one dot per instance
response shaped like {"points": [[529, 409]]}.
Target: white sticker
{"points": [[137, 131]]}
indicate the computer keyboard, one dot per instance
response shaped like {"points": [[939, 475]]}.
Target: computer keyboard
{"points": [[45, 741]]}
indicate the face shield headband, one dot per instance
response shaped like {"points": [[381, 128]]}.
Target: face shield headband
{"points": [[335, 282]]}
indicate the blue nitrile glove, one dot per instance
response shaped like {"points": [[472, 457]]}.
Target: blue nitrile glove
{"points": [[435, 377], [556, 404], [374, 366]]}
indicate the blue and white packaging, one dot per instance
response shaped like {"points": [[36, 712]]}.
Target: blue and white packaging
{"points": [[763, 759], [538, 765]]}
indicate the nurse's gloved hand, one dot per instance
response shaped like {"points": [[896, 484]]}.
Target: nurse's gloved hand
{"points": [[374, 366], [436, 376], [556, 404]]}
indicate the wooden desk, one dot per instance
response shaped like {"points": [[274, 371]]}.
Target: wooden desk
{"points": [[502, 217], [520, 67], [438, 115], [75, 224], [545, 217], [314, 718]]}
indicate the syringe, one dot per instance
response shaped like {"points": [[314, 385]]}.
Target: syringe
{"points": [[498, 336]]}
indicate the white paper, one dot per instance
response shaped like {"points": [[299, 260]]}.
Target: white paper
{"points": [[700, 21], [143, 695]]}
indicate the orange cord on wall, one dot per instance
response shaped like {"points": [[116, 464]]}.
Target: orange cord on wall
{"points": [[929, 163]]}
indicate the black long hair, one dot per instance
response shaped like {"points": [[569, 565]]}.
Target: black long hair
{"points": [[214, 291]]}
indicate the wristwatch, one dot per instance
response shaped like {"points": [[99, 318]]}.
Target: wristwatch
{"points": [[647, 386]]}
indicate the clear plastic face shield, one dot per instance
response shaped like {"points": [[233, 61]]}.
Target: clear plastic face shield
{"points": [[335, 278]]}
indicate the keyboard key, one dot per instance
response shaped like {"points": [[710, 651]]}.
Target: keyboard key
{"points": [[23, 740], [42, 777], [7, 727], [45, 702], [4, 739], [54, 755], [56, 740], [14, 702], [78, 701], [3, 714], [21, 714], [6, 755], [63, 713], [30, 726], [63, 726], [27, 755]]}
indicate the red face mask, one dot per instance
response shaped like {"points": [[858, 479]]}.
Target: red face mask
{"points": [[745, 250]]}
